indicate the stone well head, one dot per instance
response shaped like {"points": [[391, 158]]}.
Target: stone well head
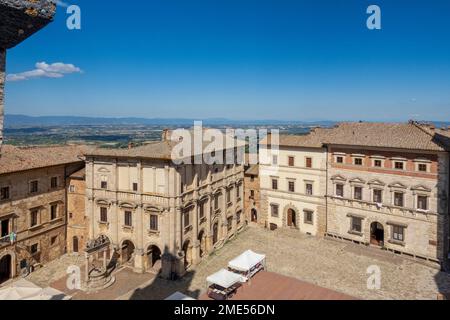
{"points": [[19, 19]]}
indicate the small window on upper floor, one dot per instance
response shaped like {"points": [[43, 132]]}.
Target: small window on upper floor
{"points": [[358, 161], [34, 186], [54, 182], [422, 167], [309, 162], [291, 161], [4, 193], [135, 187], [377, 163], [104, 185], [275, 160], [340, 159], [399, 165]]}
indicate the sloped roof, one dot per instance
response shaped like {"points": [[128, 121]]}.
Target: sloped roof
{"points": [[14, 159]]}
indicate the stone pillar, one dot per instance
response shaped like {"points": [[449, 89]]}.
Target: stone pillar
{"points": [[196, 242], [209, 235], [2, 86]]}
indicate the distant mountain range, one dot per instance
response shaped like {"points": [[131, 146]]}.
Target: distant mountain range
{"points": [[14, 121]]}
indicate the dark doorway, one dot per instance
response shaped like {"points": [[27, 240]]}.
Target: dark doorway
{"points": [[5, 268], [4, 228], [187, 249], [215, 233], [202, 240], [291, 218], [377, 234], [154, 258], [75, 244], [254, 216], [127, 251]]}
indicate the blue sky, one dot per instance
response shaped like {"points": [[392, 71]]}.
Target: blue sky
{"points": [[241, 59]]}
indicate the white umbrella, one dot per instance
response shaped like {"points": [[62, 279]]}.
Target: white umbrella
{"points": [[19, 290]]}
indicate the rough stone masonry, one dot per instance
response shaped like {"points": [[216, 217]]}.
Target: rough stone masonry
{"points": [[19, 19]]}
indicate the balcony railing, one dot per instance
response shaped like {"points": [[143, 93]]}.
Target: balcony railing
{"points": [[7, 240]]}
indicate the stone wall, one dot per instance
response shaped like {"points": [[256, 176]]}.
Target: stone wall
{"points": [[77, 221], [2, 86]]}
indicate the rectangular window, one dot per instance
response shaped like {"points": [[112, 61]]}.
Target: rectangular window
{"points": [[274, 210], [216, 202], [399, 165], [104, 185], [228, 193], [252, 193], [398, 199], [378, 196], [135, 187], [339, 190], [238, 191], [238, 218], [103, 214], [398, 233], [34, 218], [128, 219], [4, 193], [274, 184], [422, 167], [356, 224], [309, 163], [54, 182], [230, 224], [275, 160], [187, 219], [34, 248], [53, 240], [422, 202], [53, 212], [291, 161], [377, 163], [202, 210], [340, 160], [309, 189], [309, 217], [71, 188], [34, 186], [153, 222], [291, 186], [358, 162], [358, 193]]}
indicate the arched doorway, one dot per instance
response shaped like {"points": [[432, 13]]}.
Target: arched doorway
{"points": [[291, 218], [215, 233], [377, 234], [202, 239], [75, 244], [254, 215], [154, 258], [187, 249], [127, 251], [5, 268]]}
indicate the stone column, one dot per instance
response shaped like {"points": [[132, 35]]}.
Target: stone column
{"points": [[196, 242], [2, 86]]}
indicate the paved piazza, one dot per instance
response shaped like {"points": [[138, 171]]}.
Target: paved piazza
{"points": [[336, 265]]}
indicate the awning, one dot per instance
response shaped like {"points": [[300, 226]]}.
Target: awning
{"points": [[225, 279], [246, 261], [178, 296], [26, 290]]}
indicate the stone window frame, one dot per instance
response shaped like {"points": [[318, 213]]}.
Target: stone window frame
{"points": [[340, 184], [377, 188], [375, 158], [354, 187], [103, 212], [392, 238], [272, 206], [289, 164], [422, 162], [275, 185], [6, 187], [291, 181], [397, 160], [72, 188], [55, 243], [31, 189], [418, 194], [311, 160], [155, 216], [51, 206], [305, 215], [306, 183], [38, 212], [352, 229], [36, 245], [52, 185], [403, 193], [337, 155]]}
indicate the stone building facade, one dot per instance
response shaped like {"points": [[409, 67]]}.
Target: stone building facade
{"points": [[77, 223], [252, 195], [293, 185], [160, 216], [378, 184], [33, 205]]}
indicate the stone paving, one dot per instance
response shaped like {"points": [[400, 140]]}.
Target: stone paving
{"points": [[336, 265]]}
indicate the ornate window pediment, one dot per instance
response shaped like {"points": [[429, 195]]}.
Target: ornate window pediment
{"points": [[103, 202], [421, 187], [103, 170], [377, 182], [128, 205], [338, 177], [153, 209], [398, 185], [357, 180]]}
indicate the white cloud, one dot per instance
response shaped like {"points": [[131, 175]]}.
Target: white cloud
{"points": [[61, 3], [45, 70]]}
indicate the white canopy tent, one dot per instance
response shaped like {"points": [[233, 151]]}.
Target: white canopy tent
{"points": [[178, 296], [224, 279], [26, 290], [247, 261]]}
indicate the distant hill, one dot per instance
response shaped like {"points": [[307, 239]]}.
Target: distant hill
{"points": [[14, 121]]}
